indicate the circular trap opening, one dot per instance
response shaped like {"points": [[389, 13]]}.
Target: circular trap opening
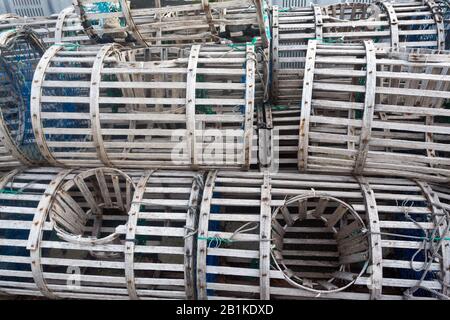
{"points": [[93, 206], [319, 243]]}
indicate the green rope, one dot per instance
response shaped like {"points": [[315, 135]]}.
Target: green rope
{"points": [[68, 46]]}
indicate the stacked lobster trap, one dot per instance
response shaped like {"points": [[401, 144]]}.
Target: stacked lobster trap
{"points": [[123, 108], [226, 150], [20, 54], [388, 24]]}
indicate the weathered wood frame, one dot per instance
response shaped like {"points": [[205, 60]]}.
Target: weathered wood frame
{"points": [[393, 26], [392, 85], [168, 200], [380, 201], [163, 25]]}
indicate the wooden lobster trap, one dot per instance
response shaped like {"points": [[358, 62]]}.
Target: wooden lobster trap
{"points": [[155, 107], [6, 17], [64, 27], [368, 110], [416, 24], [20, 52], [194, 22], [98, 234], [295, 236]]}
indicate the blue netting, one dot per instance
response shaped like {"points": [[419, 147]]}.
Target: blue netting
{"points": [[18, 61], [422, 37]]}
